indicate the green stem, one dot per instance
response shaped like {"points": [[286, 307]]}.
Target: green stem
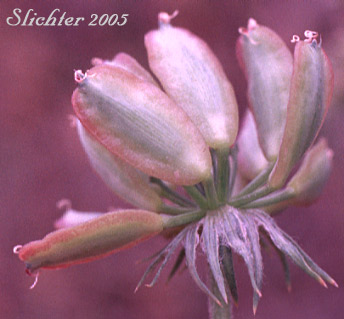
{"points": [[259, 180], [240, 201], [195, 194], [214, 162], [187, 218], [274, 198], [174, 210], [222, 177], [210, 193], [216, 311], [233, 171], [172, 195]]}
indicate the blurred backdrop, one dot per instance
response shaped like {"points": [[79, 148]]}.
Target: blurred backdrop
{"points": [[41, 161]]}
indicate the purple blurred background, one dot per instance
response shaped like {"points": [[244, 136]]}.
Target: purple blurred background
{"points": [[41, 161]]}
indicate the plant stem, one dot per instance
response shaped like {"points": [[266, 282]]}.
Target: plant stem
{"points": [[240, 201], [216, 311], [233, 169], [259, 180], [210, 193], [196, 196], [274, 198], [214, 161], [187, 218], [222, 177], [172, 195], [174, 210]]}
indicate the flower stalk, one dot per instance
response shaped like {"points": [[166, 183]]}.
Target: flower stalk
{"points": [[258, 181], [233, 169], [210, 193], [216, 311], [197, 196], [222, 176]]}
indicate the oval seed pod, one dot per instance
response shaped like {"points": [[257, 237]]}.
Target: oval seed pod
{"points": [[193, 77], [91, 240], [126, 181], [310, 179], [267, 64], [310, 96], [128, 63], [251, 160], [136, 121]]}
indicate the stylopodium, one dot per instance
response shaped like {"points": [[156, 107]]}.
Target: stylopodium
{"points": [[171, 149]]}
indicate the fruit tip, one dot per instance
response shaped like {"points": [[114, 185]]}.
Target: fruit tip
{"points": [[334, 283], [235, 302], [164, 18], [17, 248], [322, 282], [251, 24], [295, 39], [79, 76], [289, 288], [259, 293], [255, 309]]}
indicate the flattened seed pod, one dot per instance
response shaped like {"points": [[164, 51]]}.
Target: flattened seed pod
{"points": [[251, 160], [268, 64], [91, 240], [193, 77], [310, 96], [126, 181], [128, 63], [309, 181], [136, 121]]}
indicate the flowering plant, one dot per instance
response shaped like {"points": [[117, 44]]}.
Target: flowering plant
{"points": [[171, 149]]}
